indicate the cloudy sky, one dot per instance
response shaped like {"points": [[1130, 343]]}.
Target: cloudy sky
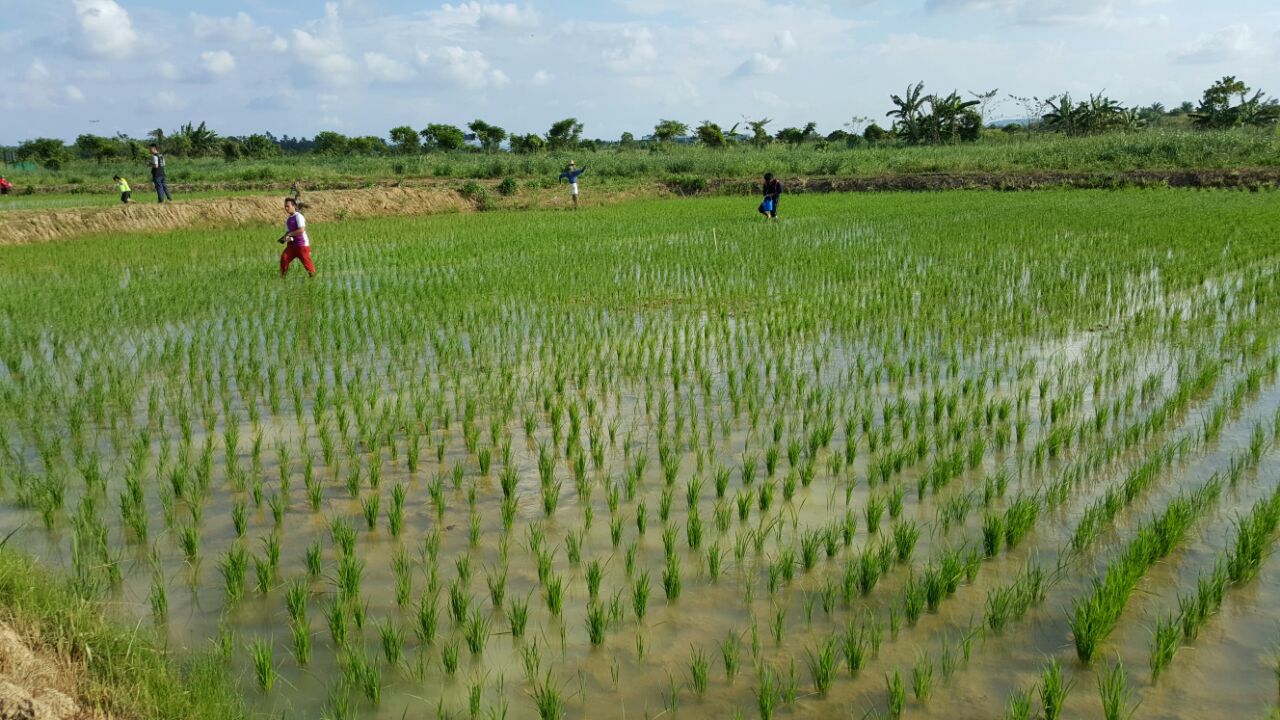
{"points": [[364, 66]]}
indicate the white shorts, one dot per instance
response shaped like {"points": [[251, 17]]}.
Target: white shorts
{"points": [[573, 188]]}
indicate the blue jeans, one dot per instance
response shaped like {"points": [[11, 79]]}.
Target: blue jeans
{"points": [[162, 189]]}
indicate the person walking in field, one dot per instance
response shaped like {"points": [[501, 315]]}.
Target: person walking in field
{"points": [[571, 173], [297, 244], [157, 175], [126, 194], [6, 187], [772, 194]]}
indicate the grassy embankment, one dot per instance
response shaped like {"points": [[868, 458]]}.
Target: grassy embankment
{"points": [[616, 169], [121, 670]]}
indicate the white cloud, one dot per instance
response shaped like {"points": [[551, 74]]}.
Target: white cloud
{"points": [[163, 101], [1092, 13], [542, 78], [37, 71], [74, 94], [106, 28], [785, 41], [758, 64], [323, 56], [168, 70], [218, 63], [386, 68], [238, 30], [468, 69], [476, 14], [1229, 43], [633, 51]]}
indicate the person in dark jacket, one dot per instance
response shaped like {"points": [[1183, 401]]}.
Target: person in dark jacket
{"points": [[772, 194], [157, 175], [571, 173]]}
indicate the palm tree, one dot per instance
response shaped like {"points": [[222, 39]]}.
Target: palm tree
{"points": [[907, 113]]}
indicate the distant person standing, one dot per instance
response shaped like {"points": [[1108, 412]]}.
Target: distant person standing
{"points": [[296, 193], [157, 175], [6, 187], [297, 244], [571, 173], [772, 194], [126, 194]]}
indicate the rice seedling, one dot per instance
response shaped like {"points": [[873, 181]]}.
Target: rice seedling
{"points": [[264, 669], [767, 691], [1053, 690], [822, 663], [518, 616], [476, 631], [1113, 687], [730, 652], [897, 694], [547, 698], [922, 677], [392, 638]]}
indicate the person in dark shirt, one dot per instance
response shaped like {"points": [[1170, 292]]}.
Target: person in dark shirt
{"points": [[157, 175], [772, 194]]}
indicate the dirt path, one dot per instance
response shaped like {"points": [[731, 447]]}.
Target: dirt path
{"points": [[20, 227], [34, 683]]}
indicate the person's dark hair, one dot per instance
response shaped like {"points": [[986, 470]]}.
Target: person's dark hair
{"points": [[154, 146], [115, 177], [290, 201], [768, 177]]}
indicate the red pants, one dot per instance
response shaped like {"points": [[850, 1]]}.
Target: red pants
{"points": [[293, 252]]}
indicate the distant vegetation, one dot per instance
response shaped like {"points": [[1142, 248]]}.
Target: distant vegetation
{"points": [[917, 118]]}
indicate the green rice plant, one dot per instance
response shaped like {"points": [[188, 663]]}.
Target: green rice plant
{"points": [[476, 631], [301, 642], [640, 595], [873, 512], [336, 618], [905, 535], [234, 566], [992, 533], [730, 652], [597, 622], [314, 560], [922, 677], [743, 500], [238, 518], [392, 637], [555, 595], [449, 657], [462, 563], [914, 595], [1053, 690], [518, 616], [897, 694], [459, 601], [496, 580], [350, 571], [671, 578], [822, 664], [427, 618], [1019, 707], [189, 541], [264, 669], [369, 506], [768, 692], [296, 600], [547, 698], [1117, 698], [1164, 643]]}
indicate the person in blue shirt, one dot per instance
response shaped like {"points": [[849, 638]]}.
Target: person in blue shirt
{"points": [[571, 173]]}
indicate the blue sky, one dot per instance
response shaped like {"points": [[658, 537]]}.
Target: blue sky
{"points": [[364, 66]]}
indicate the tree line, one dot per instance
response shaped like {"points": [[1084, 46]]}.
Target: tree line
{"points": [[917, 118]]}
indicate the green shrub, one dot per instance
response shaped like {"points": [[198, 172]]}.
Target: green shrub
{"points": [[508, 187]]}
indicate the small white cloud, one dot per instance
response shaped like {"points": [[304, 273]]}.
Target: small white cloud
{"points": [[542, 78], [323, 56], [37, 71], [465, 68], [785, 41], [634, 51], [758, 64], [386, 68], [241, 30], [163, 101], [168, 70], [106, 28], [218, 63], [73, 94], [279, 44], [1229, 43], [476, 14]]}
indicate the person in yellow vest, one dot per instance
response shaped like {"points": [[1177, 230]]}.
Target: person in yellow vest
{"points": [[126, 195]]}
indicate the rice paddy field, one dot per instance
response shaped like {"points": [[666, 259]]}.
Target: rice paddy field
{"points": [[965, 455]]}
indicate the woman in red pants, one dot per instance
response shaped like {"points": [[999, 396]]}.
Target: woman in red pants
{"points": [[295, 235]]}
